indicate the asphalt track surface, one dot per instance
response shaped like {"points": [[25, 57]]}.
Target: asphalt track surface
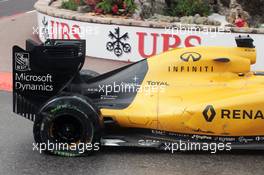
{"points": [[11, 7], [17, 156]]}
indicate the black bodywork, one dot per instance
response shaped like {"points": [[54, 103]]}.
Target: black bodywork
{"points": [[54, 69]]}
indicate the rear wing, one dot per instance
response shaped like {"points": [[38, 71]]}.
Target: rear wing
{"points": [[43, 71]]}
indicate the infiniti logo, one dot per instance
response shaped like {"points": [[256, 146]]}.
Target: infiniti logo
{"points": [[190, 56]]}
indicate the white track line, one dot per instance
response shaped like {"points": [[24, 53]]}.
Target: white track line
{"points": [[32, 11], [17, 14]]}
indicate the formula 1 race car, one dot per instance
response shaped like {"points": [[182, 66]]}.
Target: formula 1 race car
{"points": [[198, 95]]}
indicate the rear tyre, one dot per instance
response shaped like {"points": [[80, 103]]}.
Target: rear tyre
{"points": [[88, 74], [67, 130]]}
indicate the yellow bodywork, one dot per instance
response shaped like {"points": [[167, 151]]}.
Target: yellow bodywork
{"points": [[219, 85]]}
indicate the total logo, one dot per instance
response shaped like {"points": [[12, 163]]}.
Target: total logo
{"points": [[210, 114]]}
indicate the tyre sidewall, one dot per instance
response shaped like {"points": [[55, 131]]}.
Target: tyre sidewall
{"points": [[87, 117]]}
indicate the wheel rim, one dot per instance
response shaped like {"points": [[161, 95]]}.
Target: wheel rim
{"points": [[67, 129]]}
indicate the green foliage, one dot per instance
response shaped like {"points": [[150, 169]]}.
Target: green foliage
{"points": [[70, 5], [116, 7], [189, 8], [105, 5], [131, 6], [124, 6], [82, 2]]}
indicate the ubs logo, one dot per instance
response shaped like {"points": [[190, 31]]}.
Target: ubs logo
{"points": [[118, 45], [22, 61], [191, 56]]}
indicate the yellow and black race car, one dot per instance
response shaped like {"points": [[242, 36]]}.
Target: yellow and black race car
{"points": [[198, 95]]}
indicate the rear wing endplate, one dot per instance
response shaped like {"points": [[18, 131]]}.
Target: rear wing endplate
{"points": [[42, 71]]}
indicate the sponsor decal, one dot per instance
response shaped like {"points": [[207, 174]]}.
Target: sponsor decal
{"points": [[191, 69], [225, 139], [28, 82], [190, 56], [45, 30], [22, 61], [108, 97], [209, 113], [118, 45], [241, 114], [157, 83], [245, 139], [158, 132], [207, 138], [63, 30], [149, 44], [201, 137]]}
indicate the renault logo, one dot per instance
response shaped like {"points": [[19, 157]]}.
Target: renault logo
{"points": [[190, 56], [209, 113]]}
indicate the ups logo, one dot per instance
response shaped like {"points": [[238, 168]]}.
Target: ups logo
{"points": [[191, 56]]}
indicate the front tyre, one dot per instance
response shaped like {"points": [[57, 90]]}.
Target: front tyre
{"points": [[66, 129]]}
